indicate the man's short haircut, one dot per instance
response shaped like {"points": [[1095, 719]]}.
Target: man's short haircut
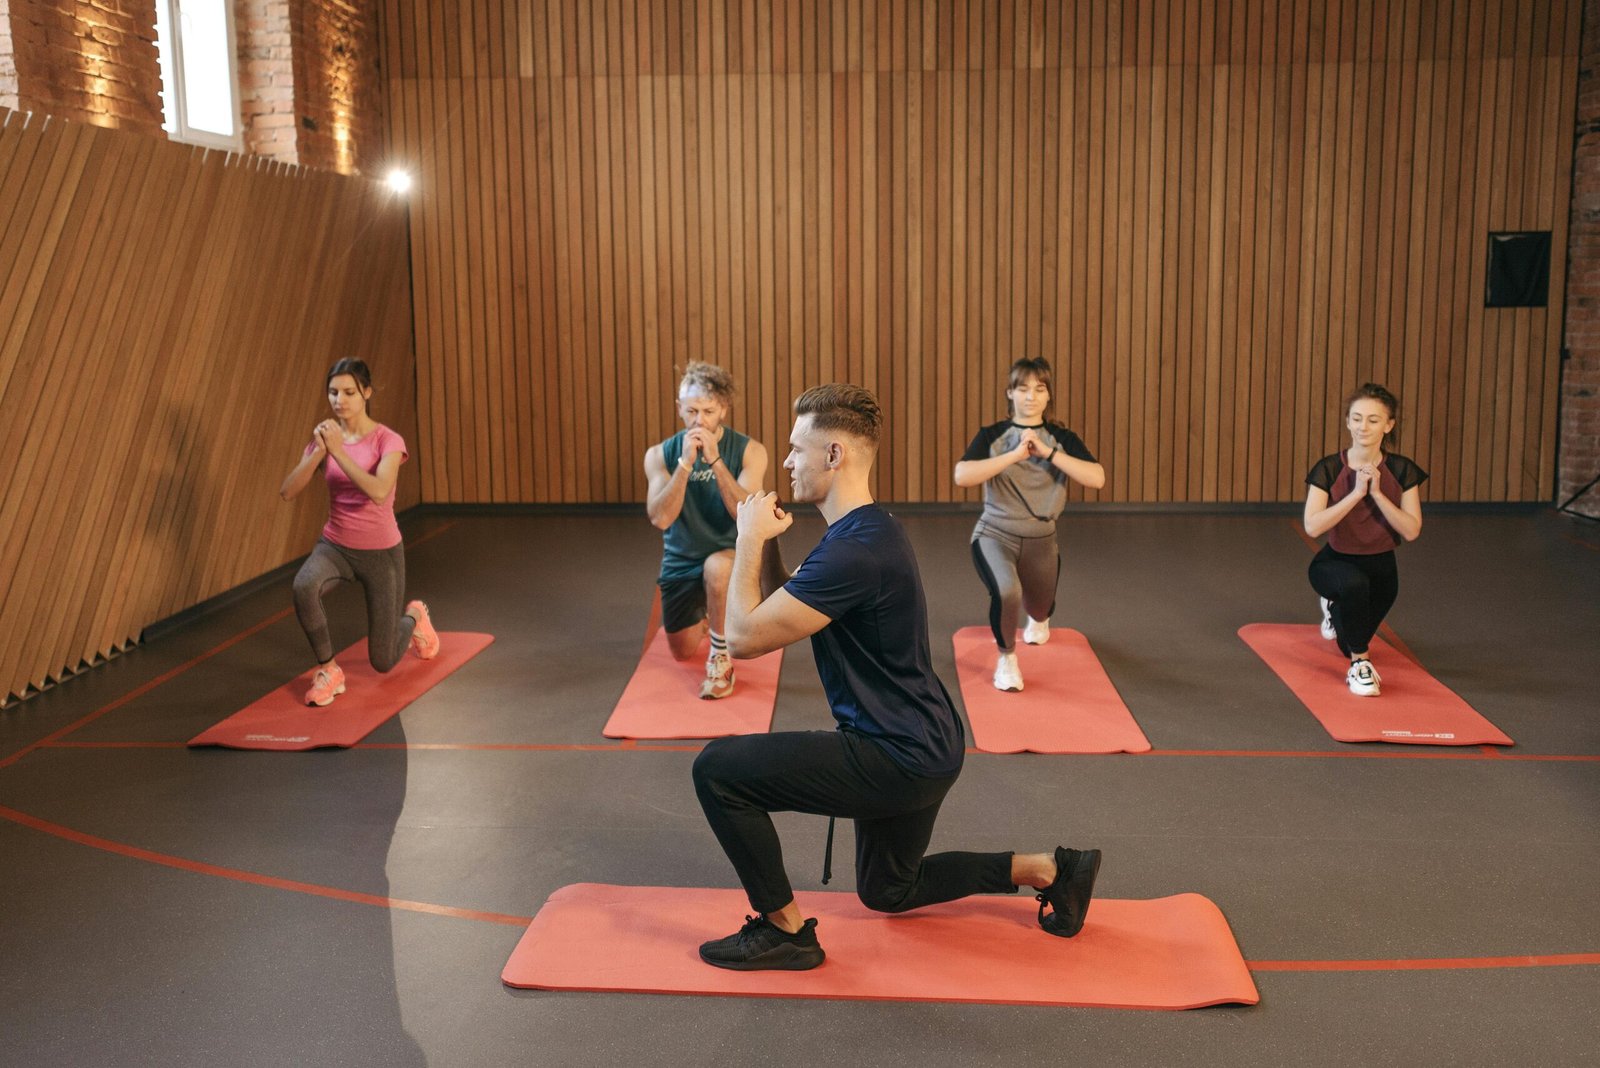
{"points": [[708, 379], [841, 406]]}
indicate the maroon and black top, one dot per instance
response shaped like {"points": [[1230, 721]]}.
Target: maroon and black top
{"points": [[1364, 531]]}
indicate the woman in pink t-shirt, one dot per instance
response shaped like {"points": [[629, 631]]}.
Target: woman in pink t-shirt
{"points": [[360, 458], [1366, 500]]}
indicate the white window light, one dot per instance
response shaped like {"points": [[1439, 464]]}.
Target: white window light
{"points": [[199, 72]]}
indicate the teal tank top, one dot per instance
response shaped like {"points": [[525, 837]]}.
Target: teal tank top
{"points": [[704, 526]]}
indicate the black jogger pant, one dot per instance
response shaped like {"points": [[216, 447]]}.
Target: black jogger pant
{"points": [[836, 773]]}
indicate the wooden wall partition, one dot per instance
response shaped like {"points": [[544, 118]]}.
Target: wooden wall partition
{"points": [[1214, 216], [166, 317]]}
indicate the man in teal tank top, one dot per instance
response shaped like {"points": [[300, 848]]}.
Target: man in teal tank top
{"points": [[697, 479]]}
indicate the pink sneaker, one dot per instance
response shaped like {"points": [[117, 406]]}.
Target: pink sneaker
{"points": [[328, 684], [424, 639]]}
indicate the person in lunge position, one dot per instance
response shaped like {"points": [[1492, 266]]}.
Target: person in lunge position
{"points": [[1366, 499], [360, 459], [899, 744], [1023, 464], [697, 478]]}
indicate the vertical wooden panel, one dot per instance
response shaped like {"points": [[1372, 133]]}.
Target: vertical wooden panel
{"points": [[122, 262], [1214, 217]]}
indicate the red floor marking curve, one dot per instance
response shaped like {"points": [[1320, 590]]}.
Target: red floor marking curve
{"points": [[53, 738], [1552, 960], [140, 691], [254, 878]]}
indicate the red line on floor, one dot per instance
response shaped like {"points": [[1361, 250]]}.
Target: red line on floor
{"points": [[430, 535], [1547, 960], [505, 919], [53, 740], [633, 746], [254, 878], [140, 691]]}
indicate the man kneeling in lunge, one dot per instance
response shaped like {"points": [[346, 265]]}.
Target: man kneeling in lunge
{"points": [[697, 478], [899, 744]]}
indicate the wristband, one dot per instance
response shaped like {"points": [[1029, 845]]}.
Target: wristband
{"points": [[718, 460], [1051, 458], [684, 465]]}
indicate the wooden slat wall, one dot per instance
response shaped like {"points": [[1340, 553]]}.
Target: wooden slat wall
{"points": [[1213, 216], [166, 317]]}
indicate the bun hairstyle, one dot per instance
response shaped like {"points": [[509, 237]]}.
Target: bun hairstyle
{"points": [[707, 379], [356, 369], [1373, 391], [1024, 369], [839, 406]]}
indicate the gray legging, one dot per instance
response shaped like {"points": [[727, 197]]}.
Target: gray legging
{"points": [[1019, 573], [382, 574]]}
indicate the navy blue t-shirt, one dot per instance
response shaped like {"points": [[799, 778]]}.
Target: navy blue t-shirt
{"points": [[873, 657]]}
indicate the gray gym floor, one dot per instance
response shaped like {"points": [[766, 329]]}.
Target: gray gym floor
{"points": [[1326, 852]]}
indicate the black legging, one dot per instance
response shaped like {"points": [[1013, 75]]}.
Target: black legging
{"points": [[836, 773], [1362, 589]]}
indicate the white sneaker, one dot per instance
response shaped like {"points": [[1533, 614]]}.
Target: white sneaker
{"points": [[719, 678], [1007, 675], [1327, 620], [1037, 632], [1363, 678]]}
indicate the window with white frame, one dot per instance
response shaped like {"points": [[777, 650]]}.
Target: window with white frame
{"points": [[199, 72]]}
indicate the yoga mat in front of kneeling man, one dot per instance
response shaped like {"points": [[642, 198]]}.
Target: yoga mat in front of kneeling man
{"points": [[1067, 703], [662, 699], [1170, 953], [283, 721], [1414, 708]]}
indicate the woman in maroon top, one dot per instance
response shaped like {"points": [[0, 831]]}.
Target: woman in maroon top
{"points": [[1366, 500]]}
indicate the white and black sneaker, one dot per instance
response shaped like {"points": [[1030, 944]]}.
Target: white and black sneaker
{"points": [[1037, 632], [1363, 678], [1327, 620], [1007, 675]]}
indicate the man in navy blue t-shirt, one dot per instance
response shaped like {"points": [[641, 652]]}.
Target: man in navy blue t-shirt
{"points": [[899, 744]]}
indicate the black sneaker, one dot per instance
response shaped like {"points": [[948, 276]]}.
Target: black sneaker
{"points": [[759, 945], [1069, 892]]}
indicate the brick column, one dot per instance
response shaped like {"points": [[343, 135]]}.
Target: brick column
{"points": [[309, 85], [86, 60], [8, 60], [1580, 381]]}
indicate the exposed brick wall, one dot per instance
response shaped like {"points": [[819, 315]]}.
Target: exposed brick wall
{"points": [[310, 91], [1580, 387], [89, 60], [8, 60], [338, 91], [266, 78]]}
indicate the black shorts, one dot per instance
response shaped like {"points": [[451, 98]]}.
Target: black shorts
{"points": [[683, 602]]}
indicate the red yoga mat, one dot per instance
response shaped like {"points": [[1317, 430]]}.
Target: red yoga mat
{"points": [[1414, 708], [1169, 953], [662, 700], [1067, 703], [283, 721]]}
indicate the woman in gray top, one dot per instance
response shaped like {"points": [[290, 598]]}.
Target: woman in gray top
{"points": [[1023, 463]]}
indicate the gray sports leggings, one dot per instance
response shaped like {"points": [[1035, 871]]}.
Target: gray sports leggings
{"points": [[1019, 573], [382, 574]]}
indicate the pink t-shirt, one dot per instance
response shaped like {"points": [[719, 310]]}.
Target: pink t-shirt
{"points": [[355, 520]]}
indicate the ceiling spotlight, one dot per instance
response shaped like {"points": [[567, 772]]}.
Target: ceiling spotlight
{"points": [[399, 181]]}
